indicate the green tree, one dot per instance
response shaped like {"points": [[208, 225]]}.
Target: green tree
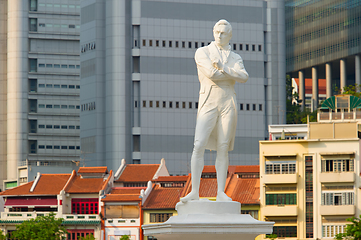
{"points": [[353, 230], [124, 237], [271, 236], [88, 237], [2, 236], [40, 228], [353, 90], [294, 114]]}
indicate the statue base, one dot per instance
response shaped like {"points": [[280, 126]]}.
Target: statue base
{"points": [[208, 220]]}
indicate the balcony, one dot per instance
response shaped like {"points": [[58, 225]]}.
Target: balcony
{"points": [[279, 178], [337, 210], [81, 217], [279, 210], [122, 222], [22, 215], [331, 177]]}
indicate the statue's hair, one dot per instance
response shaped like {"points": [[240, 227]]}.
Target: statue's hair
{"points": [[225, 23]]}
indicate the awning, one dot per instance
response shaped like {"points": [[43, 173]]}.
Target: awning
{"points": [[31, 201]]}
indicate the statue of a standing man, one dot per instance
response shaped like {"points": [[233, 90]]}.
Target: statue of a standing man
{"points": [[218, 70]]}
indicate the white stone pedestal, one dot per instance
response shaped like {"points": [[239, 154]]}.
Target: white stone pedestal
{"points": [[208, 220]]}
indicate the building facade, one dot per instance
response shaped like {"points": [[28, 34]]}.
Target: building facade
{"points": [[139, 84], [310, 186], [39, 88], [323, 41]]}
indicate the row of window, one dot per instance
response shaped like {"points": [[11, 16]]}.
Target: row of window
{"points": [[59, 106], [50, 65], [159, 217], [59, 147], [281, 199], [189, 44], [339, 165], [324, 51], [190, 105], [327, 198], [50, 25], [88, 106], [58, 126], [280, 168], [330, 231], [347, 24], [34, 5], [41, 85], [337, 198]]}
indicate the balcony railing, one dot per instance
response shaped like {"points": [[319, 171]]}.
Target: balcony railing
{"points": [[338, 116], [66, 217]]}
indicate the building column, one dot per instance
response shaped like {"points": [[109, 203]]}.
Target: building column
{"points": [[343, 74], [357, 70], [328, 80], [314, 102], [301, 88]]}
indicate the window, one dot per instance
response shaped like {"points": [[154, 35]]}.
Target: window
{"points": [[150, 43], [56, 126], [337, 165], [57, 147], [33, 105], [33, 126], [64, 66], [157, 104], [72, 66], [163, 43], [234, 46], [33, 84], [56, 65], [159, 217], [49, 106], [157, 43], [71, 106], [337, 198], [49, 126], [41, 146], [176, 104], [241, 106], [253, 47], [280, 167], [77, 234], [241, 47], [41, 126], [170, 104], [253, 213], [247, 106], [190, 105], [33, 146], [64, 106], [151, 104], [33, 24], [64, 127], [56, 106], [49, 65], [260, 107], [56, 86], [189, 44], [71, 147], [254, 107], [183, 104], [144, 42], [281, 199], [64, 147], [183, 44], [144, 103], [164, 104], [49, 147], [260, 48], [41, 85], [285, 231], [170, 43], [49, 85], [33, 5], [330, 231], [71, 127], [176, 44], [84, 206], [33, 63], [247, 47], [196, 45]]}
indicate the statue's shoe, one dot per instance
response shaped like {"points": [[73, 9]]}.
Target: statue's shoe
{"points": [[191, 196], [222, 197]]}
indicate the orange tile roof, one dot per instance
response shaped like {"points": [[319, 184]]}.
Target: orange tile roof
{"points": [[208, 187], [85, 185], [48, 184], [163, 198], [247, 191], [171, 179], [244, 169], [127, 190], [93, 170], [121, 198], [209, 169], [138, 173]]}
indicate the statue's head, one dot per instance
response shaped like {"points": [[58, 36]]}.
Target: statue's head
{"points": [[222, 32]]}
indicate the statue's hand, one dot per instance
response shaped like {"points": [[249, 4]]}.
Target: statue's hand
{"points": [[217, 64]]}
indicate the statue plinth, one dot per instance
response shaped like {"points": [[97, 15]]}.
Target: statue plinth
{"points": [[208, 220]]}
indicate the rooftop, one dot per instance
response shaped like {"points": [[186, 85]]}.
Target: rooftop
{"points": [[138, 173]]}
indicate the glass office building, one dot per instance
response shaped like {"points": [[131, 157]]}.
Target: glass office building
{"points": [[323, 42]]}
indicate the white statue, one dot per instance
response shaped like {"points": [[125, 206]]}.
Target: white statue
{"points": [[218, 70]]}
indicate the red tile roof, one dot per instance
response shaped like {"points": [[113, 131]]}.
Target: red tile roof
{"points": [[121, 198], [171, 179], [93, 170], [138, 173], [308, 85], [85, 185], [208, 187], [48, 184], [209, 169], [244, 169], [247, 191], [127, 190], [163, 198]]}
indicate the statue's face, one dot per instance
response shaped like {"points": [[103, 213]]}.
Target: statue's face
{"points": [[221, 36]]}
